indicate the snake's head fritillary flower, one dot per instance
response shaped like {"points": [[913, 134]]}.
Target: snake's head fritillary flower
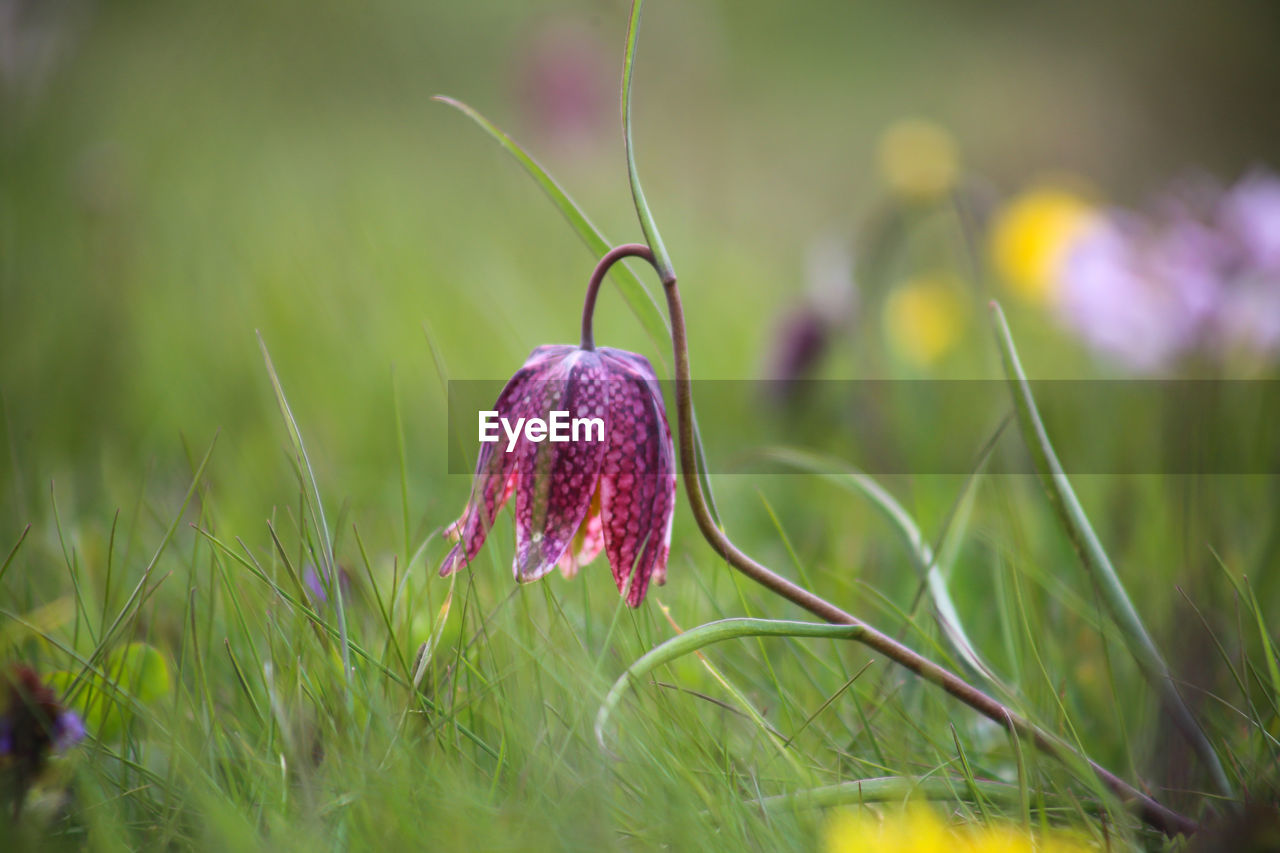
{"points": [[609, 487]]}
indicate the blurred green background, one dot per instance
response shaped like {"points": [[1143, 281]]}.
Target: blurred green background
{"points": [[175, 176]]}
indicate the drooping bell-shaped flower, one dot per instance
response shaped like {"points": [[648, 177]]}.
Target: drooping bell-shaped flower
{"points": [[597, 474]]}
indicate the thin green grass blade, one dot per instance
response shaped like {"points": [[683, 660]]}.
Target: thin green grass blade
{"points": [[922, 555], [1268, 648], [704, 635], [13, 552], [303, 608], [966, 770], [73, 570], [1232, 669], [650, 228], [1024, 796], [383, 611], [1245, 666], [666, 271], [242, 681], [633, 291], [293, 576], [801, 568], [748, 709], [827, 702], [316, 509], [890, 609], [402, 458], [129, 610], [1076, 525]]}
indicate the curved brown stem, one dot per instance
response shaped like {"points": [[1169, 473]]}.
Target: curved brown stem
{"points": [[1169, 822], [611, 257]]}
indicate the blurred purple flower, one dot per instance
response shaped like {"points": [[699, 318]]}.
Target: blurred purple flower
{"points": [[32, 719], [316, 588], [803, 336], [1252, 212], [799, 344], [35, 36], [1116, 303], [1200, 277], [574, 498], [33, 723], [561, 79], [68, 730]]}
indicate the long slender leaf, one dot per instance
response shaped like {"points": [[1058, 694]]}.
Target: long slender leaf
{"points": [[13, 552], [704, 635], [1087, 545], [666, 271], [633, 291], [140, 592], [650, 228], [748, 709]]}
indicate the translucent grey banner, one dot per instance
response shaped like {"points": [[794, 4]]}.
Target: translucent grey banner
{"points": [[902, 427]]}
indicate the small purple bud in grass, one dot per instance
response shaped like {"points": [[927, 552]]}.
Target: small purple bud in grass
{"points": [[68, 730], [805, 334], [799, 344], [612, 491], [33, 723], [312, 582], [316, 588]]}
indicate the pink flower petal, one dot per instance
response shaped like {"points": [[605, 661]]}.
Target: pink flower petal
{"points": [[556, 480], [587, 543], [495, 476]]}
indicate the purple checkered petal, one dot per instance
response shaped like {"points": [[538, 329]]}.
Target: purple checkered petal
{"points": [[495, 468], [555, 481], [637, 479], [576, 497]]}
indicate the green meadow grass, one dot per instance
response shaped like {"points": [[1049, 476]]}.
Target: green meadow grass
{"points": [[185, 182], [247, 733]]}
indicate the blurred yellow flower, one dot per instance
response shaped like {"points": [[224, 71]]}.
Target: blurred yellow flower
{"points": [[918, 159], [1031, 235], [918, 829], [923, 318]]}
